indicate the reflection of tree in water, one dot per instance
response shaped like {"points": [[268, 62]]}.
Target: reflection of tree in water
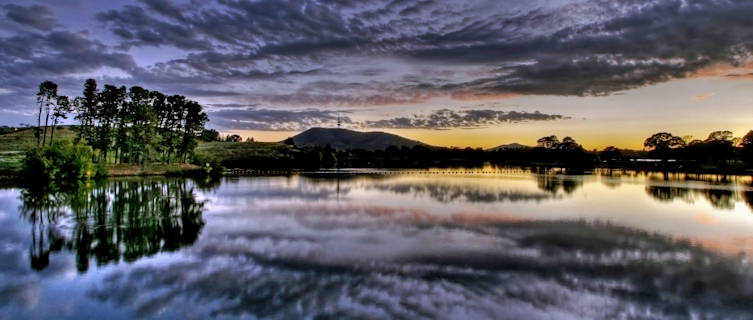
{"points": [[554, 183], [748, 198], [719, 198], [119, 219], [667, 194], [42, 209]]}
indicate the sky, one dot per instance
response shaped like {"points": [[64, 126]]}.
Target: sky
{"points": [[449, 73]]}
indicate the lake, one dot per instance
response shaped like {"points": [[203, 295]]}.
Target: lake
{"points": [[446, 244]]}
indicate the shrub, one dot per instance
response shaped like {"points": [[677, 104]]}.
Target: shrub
{"points": [[101, 170], [209, 163], [63, 161]]}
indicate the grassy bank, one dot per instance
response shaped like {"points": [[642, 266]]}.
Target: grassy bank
{"points": [[155, 169], [12, 146]]}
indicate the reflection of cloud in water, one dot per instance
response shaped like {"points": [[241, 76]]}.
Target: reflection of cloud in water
{"points": [[24, 293], [439, 268], [461, 193], [296, 188]]}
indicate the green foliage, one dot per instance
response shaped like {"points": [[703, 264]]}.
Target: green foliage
{"points": [[209, 135], [62, 161], [125, 125], [209, 164], [101, 170]]}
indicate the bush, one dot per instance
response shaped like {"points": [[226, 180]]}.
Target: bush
{"points": [[101, 170], [63, 161], [209, 163]]}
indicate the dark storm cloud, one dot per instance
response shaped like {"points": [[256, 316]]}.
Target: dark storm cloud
{"points": [[35, 16], [447, 119], [28, 59]]}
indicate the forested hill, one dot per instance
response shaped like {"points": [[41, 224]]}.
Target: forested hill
{"points": [[349, 139]]}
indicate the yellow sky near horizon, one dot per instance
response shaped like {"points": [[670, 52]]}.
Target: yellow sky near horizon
{"points": [[694, 106]]}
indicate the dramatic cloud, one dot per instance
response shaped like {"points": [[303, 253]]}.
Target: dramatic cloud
{"points": [[274, 120], [36, 16], [253, 118], [352, 53], [582, 48], [446, 119]]}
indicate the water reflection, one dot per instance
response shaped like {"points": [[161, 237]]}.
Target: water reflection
{"points": [[718, 197], [499, 270], [125, 219], [534, 246], [554, 183], [462, 193]]}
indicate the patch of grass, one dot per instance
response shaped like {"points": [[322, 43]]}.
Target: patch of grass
{"points": [[238, 151], [13, 145]]}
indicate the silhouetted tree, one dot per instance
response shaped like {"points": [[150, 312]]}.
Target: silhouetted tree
{"points": [[86, 111], [663, 141], [746, 145], [46, 98], [660, 144], [568, 144], [610, 153], [548, 142], [111, 99], [61, 110], [720, 145]]}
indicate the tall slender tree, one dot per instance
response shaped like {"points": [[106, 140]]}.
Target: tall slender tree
{"points": [[61, 110], [111, 98], [86, 107], [46, 97], [137, 125]]}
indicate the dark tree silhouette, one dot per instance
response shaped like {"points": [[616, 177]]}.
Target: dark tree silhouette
{"points": [[112, 220], [548, 142], [610, 153], [46, 98], [663, 141]]}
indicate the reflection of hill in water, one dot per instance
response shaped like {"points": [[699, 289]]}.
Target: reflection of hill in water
{"points": [[112, 221]]}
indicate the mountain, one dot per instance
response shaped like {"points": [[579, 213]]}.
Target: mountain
{"points": [[349, 139], [510, 146]]}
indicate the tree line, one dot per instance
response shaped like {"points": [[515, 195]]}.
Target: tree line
{"points": [[124, 125], [718, 146], [719, 152]]}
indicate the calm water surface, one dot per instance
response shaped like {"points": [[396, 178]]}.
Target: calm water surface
{"points": [[422, 245]]}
